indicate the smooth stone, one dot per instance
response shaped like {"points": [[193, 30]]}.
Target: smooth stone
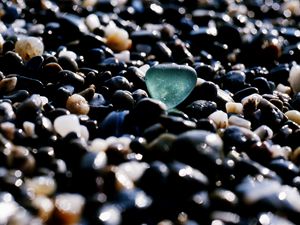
{"points": [[170, 83], [199, 149], [293, 115], [67, 123], [294, 78], [29, 47], [200, 109], [283, 198]]}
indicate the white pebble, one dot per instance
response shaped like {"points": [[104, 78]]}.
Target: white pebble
{"points": [[84, 132], [111, 140], [220, 118], [92, 22], [77, 104], [294, 78], [18, 23], [41, 185], [234, 107], [98, 145], [66, 124], [67, 53], [283, 89], [125, 141], [133, 169], [28, 47], [293, 115], [264, 132], [44, 100], [123, 56], [144, 68], [8, 207], [123, 181], [238, 121]]}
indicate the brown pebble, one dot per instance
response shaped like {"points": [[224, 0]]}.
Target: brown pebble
{"points": [[77, 104], [8, 84]]}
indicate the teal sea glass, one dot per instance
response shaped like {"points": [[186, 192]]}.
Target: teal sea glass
{"points": [[170, 83]]}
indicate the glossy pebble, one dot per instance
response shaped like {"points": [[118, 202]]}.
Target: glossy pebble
{"points": [[170, 83]]}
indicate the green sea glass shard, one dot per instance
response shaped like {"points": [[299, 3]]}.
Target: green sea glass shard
{"points": [[170, 83]]}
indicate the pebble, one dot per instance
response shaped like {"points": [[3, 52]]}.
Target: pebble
{"points": [[234, 107], [77, 104], [8, 203], [117, 38], [179, 80], [66, 124], [165, 110], [29, 47], [8, 84], [264, 132], [238, 121], [68, 208], [220, 118], [294, 79], [92, 21], [293, 115], [41, 185], [44, 206]]}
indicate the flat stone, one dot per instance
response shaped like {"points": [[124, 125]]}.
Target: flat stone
{"points": [[170, 83]]}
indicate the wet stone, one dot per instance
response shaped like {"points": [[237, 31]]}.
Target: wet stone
{"points": [[200, 109], [203, 146], [149, 112]]}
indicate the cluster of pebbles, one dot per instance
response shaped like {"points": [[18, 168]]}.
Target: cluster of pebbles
{"points": [[82, 141]]}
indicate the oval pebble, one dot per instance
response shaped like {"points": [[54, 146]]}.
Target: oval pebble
{"points": [[293, 115], [77, 104], [238, 121], [29, 47], [234, 107], [220, 118], [294, 78], [66, 124]]}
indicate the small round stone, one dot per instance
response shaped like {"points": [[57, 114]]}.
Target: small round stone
{"points": [[220, 118], [66, 124], [234, 107], [293, 115], [68, 208], [8, 84], [238, 121], [28, 47], [116, 38], [294, 78], [77, 104]]}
